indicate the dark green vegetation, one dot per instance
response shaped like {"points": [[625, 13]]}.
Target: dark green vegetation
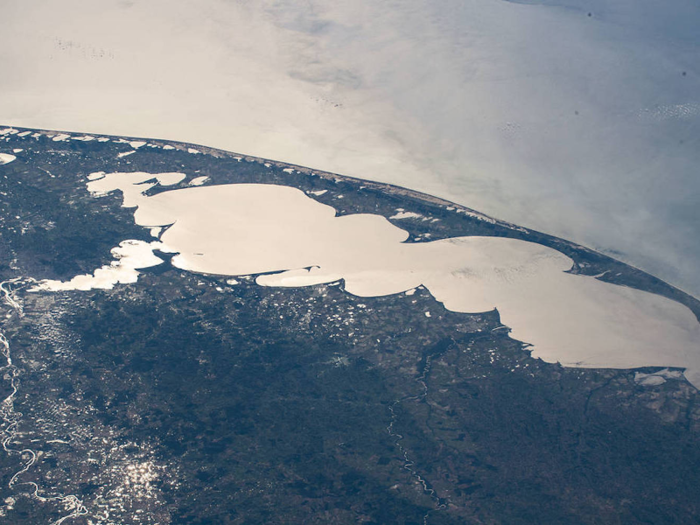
{"points": [[183, 399]]}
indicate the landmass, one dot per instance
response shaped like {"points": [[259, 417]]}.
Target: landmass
{"points": [[191, 398]]}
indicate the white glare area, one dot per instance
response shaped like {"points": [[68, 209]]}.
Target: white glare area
{"points": [[130, 257], [6, 158], [242, 229], [406, 215], [656, 378], [139, 477], [132, 185], [198, 181]]}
